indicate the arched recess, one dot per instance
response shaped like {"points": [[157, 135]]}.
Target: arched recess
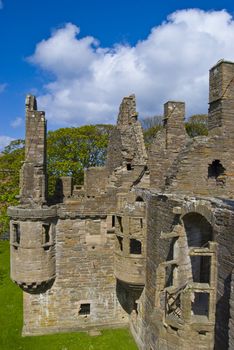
{"points": [[198, 232], [139, 199]]}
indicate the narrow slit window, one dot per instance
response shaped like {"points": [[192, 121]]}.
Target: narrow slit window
{"points": [[141, 223], [16, 233], [84, 309], [46, 234], [119, 218], [113, 221], [120, 241]]}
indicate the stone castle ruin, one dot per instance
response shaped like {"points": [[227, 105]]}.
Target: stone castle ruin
{"points": [[147, 242]]}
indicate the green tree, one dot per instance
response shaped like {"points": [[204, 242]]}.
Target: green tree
{"points": [[10, 163], [71, 150], [197, 125]]}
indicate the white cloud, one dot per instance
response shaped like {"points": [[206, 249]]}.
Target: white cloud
{"points": [[4, 141], [171, 63], [17, 122]]}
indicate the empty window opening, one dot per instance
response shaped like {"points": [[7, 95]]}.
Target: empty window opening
{"points": [[129, 166], [139, 199], [113, 221], [174, 250], [119, 218], [84, 309], [200, 304], [135, 246], [120, 240], [16, 233], [201, 268], [215, 169], [46, 233], [170, 271], [198, 230]]}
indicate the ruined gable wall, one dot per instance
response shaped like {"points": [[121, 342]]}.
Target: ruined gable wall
{"points": [[190, 172], [167, 143], [114, 155]]}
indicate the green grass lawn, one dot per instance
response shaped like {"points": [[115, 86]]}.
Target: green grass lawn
{"points": [[11, 321]]}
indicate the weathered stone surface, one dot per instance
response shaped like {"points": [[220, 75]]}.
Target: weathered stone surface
{"points": [[147, 242]]}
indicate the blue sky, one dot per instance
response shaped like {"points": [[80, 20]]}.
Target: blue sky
{"points": [[80, 57]]}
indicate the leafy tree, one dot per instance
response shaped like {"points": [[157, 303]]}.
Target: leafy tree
{"points": [[197, 125], [71, 150], [10, 163]]}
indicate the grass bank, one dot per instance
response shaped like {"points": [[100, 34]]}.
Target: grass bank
{"points": [[11, 321]]}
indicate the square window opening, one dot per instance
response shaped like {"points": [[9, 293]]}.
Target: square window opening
{"points": [[200, 304], [201, 268], [135, 246], [84, 309]]}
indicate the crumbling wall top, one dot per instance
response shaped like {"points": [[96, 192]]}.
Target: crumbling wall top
{"points": [[30, 103], [127, 111]]}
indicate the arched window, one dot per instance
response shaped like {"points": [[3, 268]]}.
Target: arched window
{"points": [[198, 230]]}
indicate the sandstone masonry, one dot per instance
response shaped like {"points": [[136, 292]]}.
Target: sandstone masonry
{"points": [[147, 242]]}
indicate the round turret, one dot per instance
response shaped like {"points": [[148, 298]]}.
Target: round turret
{"points": [[32, 239]]}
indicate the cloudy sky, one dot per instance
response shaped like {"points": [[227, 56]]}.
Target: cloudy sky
{"points": [[81, 57]]}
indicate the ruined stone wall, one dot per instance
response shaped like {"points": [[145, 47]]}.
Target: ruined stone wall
{"points": [[84, 275], [33, 187], [114, 155], [224, 223], [95, 180], [221, 97], [120, 250], [126, 145], [163, 219], [167, 143], [231, 321], [192, 171]]}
